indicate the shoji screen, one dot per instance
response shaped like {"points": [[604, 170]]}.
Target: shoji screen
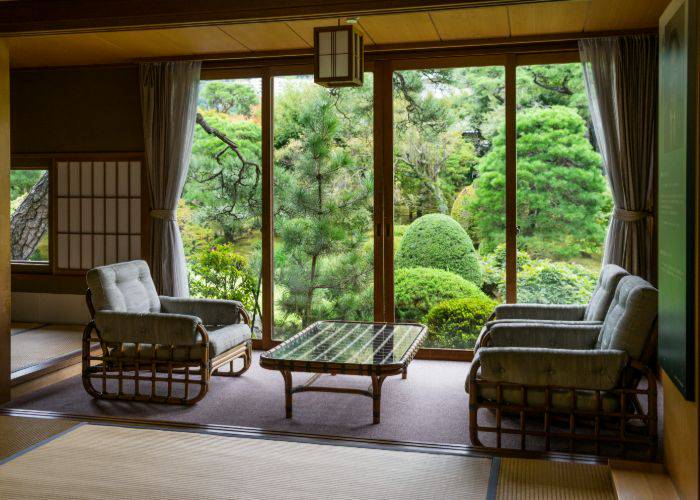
{"points": [[98, 209]]}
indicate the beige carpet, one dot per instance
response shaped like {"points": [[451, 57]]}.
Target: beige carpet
{"points": [[31, 347], [17, 433], [106, 462], [542, 480]]}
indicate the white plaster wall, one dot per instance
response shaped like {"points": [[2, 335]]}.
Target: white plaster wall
{"points": [[57, 308]]}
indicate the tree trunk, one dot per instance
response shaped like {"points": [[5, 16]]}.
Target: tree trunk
{"points": [[30, 220]]}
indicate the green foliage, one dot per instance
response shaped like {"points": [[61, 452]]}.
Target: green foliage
{"points": [[324, 195], [419, 289], [21, 182], [221, 273], [563, 200], [547, 282], [228, 97], [438, 241], [224, 192], [456, 323], [460, 208]]}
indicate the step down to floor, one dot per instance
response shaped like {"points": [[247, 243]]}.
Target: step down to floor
{"points": [[641, 481]]}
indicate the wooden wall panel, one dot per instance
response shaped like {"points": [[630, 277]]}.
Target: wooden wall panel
{"points": [[463, 24], [76, 110], [5, 297]]}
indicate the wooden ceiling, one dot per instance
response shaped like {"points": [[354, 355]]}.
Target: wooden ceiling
{"points": [[382, 32]]}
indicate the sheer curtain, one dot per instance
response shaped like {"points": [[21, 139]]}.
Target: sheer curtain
{"points": [[621, 75], [169, 107]]}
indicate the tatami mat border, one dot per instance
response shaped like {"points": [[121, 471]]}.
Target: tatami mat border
{"points": [[40, 443]]}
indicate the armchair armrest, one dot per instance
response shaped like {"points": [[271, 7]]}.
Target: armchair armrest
{"points": [[211, 311], [148, 328], [550, 335], [590, 369], [557, 312]]}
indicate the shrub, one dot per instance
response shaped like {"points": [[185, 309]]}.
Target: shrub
{"points": [[418, 289], [221, 273], [456, 323], [438, 241], [547, 282], [460, 210]]}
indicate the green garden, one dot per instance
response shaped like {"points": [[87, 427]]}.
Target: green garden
{"points": [[449, 181]]}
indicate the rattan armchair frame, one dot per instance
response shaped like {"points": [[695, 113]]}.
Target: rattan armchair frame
{"points": [[610, 432], [162, 377]]}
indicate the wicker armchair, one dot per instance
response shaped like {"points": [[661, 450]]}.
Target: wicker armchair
{"points": [[583, 381], [593, 312], [156, 348]]}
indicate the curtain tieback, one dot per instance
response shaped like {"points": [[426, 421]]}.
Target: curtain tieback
{"points": [[631, 215], [164, 214]]}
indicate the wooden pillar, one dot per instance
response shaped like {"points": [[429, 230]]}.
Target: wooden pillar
{"points": [[4, 222], [511, 184], [268, 223]]}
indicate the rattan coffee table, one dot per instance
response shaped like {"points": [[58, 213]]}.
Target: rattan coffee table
{"points": [[377, 350]]}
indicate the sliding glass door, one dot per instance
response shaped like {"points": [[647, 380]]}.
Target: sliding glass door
{"points": [[448, 199], [323, 203], [221, 206], [563, 200]]}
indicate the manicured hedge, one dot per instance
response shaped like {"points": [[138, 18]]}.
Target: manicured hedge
{"points": [[438, 241], [419, 289], [456, 323]]}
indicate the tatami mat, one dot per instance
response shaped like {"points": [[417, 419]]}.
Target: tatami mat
{"points": [[19, 433], [121, 462], [33, 346], [522, 479]]}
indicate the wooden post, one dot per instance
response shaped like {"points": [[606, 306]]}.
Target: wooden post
{"points": [[268, 227], [5, 296], [511, 185]]}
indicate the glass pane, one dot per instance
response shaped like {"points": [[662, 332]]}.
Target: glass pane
{"points": [[449, 200], [29, 215], [323, 184], [563, 199], [220, 210]]}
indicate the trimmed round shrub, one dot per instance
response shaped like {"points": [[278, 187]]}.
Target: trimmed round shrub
{"points": [[456, 323], [419, 289], [438, 241]]}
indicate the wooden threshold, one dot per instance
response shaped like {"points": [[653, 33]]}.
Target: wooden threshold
{"points": [[46, 367], [255, 432]]}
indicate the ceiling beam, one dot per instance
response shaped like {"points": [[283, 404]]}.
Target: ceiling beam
{"points": [[66, 16]]}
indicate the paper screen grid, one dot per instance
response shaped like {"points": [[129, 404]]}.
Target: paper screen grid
{"points": [[98, 213]]}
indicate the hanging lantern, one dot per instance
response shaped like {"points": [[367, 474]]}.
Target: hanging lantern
{"points": [[338, 56]]}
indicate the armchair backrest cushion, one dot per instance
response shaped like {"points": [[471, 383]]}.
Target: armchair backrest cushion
{"points": [[604, 292], [123, 287], [631, 317]]}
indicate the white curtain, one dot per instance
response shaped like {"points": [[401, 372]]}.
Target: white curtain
{"points": [[621, 75], [169, 107]]}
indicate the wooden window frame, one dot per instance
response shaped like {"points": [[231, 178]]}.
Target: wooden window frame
{"points": [[42, 278], [382, 65]]}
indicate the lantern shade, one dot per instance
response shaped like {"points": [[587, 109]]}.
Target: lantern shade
{"points": [[338, 56]]}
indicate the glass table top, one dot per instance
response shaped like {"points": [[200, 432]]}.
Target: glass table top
{"points": [[350, 343]]}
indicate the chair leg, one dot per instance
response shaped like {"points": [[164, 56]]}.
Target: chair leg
{"points": [[247, 358]]}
